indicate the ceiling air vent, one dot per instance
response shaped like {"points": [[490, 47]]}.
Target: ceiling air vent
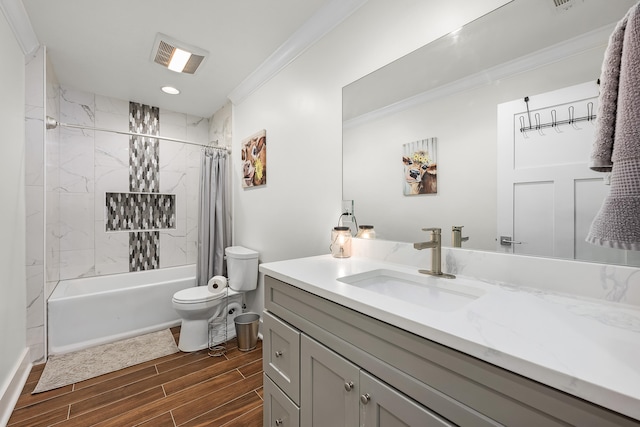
{"points": [[562, 5], [177, 56]]}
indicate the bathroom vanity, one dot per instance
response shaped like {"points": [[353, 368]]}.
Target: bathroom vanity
{"points": [[344, 345]]}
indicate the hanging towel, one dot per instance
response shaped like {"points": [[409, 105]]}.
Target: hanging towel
{"points": [[617, 145]]}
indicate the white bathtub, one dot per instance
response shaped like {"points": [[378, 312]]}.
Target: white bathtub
{"points": [[97, 310]]}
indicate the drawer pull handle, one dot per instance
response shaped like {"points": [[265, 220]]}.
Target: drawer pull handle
{"points": [[278, 353], [365, 398], [348, 385], [279, 422]]}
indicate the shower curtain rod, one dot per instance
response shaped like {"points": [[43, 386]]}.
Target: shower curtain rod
{"points": [[52, 123]]}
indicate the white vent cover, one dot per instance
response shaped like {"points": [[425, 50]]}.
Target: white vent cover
{"points": [[562, 5], [164, 47]]}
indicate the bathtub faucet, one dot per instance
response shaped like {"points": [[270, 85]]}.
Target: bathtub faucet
{"points": [[434, 243]]}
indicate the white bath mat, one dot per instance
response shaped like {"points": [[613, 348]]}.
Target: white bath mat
{"points": [[81, 365]]}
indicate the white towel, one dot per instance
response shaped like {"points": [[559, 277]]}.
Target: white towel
{"points": [[617, 144]]}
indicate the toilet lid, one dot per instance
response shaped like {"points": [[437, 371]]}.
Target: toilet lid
{"points": [[197, 294]]}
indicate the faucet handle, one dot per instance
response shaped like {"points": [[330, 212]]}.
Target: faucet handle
{"points": [[434, 230]]}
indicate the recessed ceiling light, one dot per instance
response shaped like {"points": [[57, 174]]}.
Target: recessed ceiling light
{"points": [[170, 90]]}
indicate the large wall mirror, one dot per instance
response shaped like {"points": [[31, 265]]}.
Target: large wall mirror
{"points": [[448, 92]]}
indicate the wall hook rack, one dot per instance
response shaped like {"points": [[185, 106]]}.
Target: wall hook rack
{"points": [[554, 118]]}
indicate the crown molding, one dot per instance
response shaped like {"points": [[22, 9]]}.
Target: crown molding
{"points": [[19, 22], [321, 23], [524, 63]]}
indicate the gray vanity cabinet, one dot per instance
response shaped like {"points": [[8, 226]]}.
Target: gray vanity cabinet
{"points": [[308, 384], [328, 365], [337, 393]]}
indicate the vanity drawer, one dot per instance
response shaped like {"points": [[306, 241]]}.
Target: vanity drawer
{"points": [[279, 410], [281, 355]]}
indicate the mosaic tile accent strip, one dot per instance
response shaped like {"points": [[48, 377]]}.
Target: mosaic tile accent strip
{"points": [[140, 211], [144, 250], [144, 166]]}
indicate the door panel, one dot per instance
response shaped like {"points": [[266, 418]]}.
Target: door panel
{"points": [[329, 386], [533, 221], [383, 406]]}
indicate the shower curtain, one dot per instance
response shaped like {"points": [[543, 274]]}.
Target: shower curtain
{"points": [[214, 215]]}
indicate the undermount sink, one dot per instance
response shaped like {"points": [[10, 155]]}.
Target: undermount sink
{"points": [[426, 291]]}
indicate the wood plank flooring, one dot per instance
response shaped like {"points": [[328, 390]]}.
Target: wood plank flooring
{"points": [[182, 389]]}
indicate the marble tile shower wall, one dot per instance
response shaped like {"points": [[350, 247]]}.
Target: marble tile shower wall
{"points": [[94, 163], [52, 199], [34, 203]]}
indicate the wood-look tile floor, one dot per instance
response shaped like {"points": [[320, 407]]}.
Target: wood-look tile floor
{"points": [[182, 389]]}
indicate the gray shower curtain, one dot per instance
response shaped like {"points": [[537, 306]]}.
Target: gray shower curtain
{"points": [[214, 215]]}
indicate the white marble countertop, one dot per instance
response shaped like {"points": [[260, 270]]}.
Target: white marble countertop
{"points": [[587, 348]]}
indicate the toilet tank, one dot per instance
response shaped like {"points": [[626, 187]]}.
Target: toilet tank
{"points": [[242, 268]]}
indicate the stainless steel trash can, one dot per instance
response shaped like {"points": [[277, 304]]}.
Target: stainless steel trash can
{"points": [[247, 330]]}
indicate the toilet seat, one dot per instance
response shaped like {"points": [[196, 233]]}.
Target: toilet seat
{"points": [[198, 294]]}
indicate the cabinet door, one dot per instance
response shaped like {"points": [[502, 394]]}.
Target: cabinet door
{"points": [[328, 387], [383, 406], [279, 410], [281, 355]]}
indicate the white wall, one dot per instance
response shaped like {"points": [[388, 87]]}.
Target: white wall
{"points": [[301, 110], [12, 214]]}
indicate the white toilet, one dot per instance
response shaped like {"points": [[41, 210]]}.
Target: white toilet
{"points": [[197, 306]]}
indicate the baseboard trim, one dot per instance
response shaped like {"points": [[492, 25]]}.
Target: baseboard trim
{"points": [[10, 395]]}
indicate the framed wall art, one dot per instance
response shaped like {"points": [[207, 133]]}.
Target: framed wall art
{"points": [[254, 160], [419, 159]]}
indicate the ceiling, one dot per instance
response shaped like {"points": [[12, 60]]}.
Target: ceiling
{"points": [[477, 50], [104, 46]]}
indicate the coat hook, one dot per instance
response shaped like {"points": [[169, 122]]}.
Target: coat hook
{"points": [[554, 121], [571, 115], [539, 124], [590, 115]]}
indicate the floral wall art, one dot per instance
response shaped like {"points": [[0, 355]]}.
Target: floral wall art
{"points": [[254, 160], [420, 167]]}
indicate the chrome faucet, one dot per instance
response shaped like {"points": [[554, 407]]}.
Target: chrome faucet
{"points": [[456, 236], [434, 243]]}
